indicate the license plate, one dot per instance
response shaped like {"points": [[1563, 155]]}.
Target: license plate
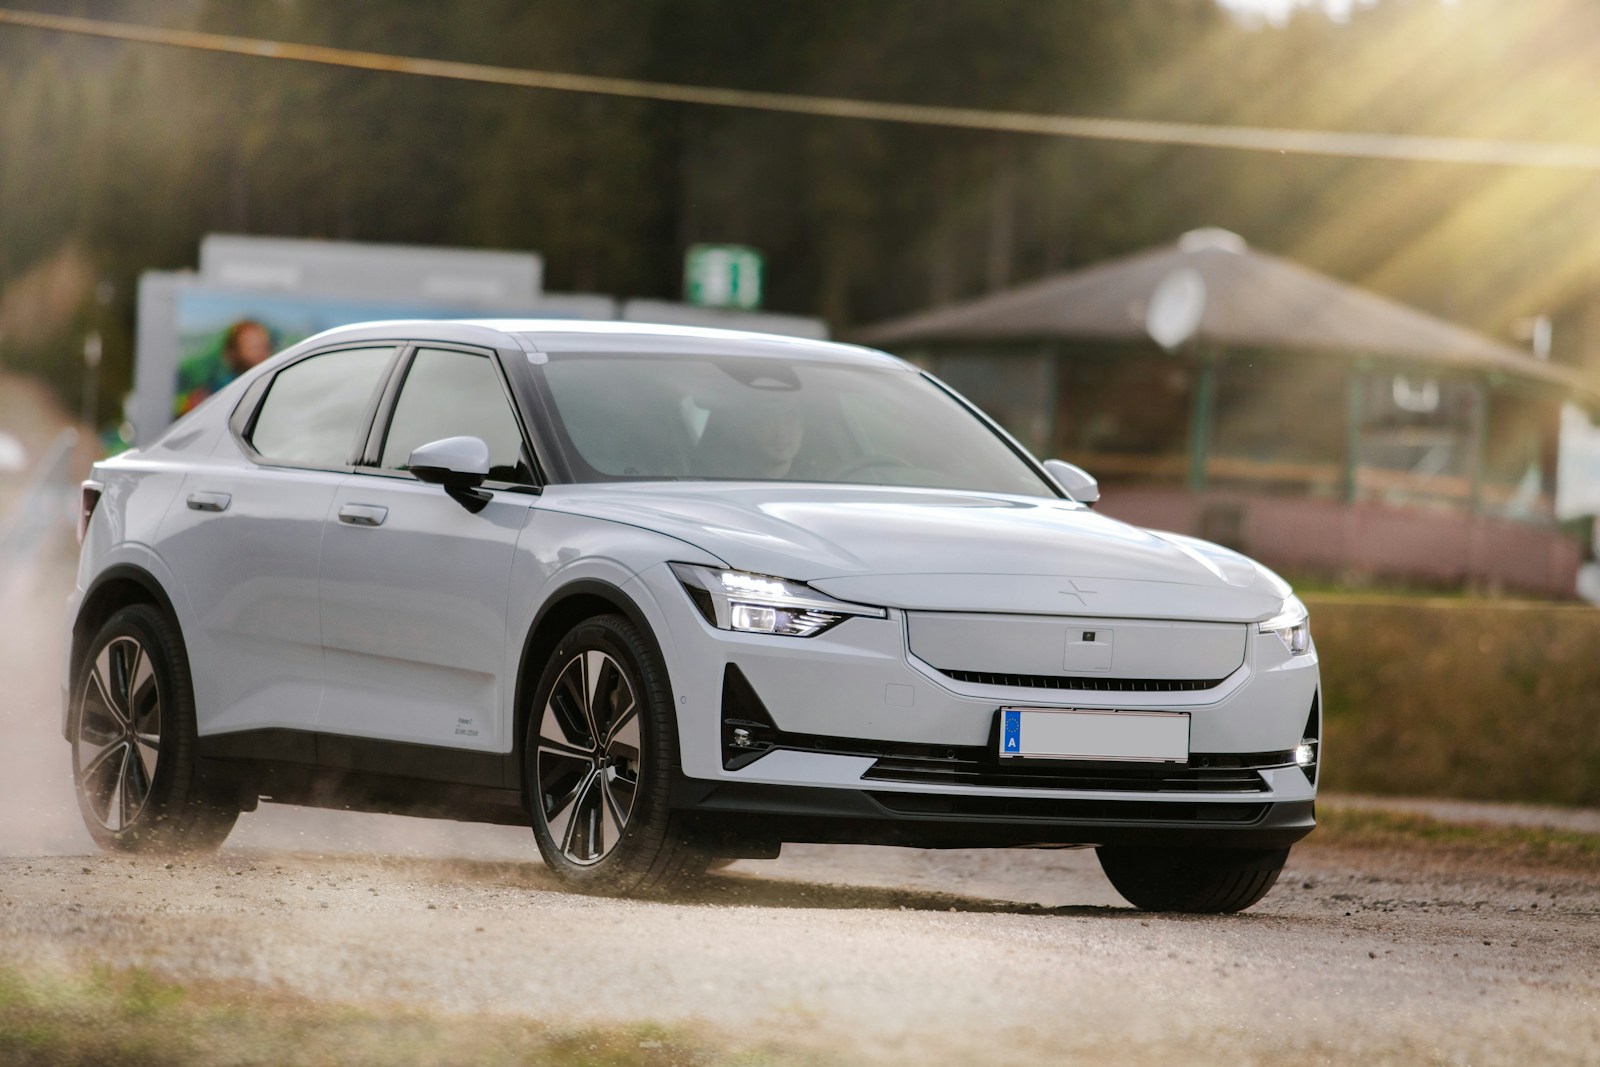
{"points": [[1091, 734]]}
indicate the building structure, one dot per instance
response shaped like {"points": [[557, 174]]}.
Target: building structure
{"points": [[291, 288]]}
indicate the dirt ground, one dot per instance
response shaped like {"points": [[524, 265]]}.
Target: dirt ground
{"points": [[862, 955], [839, 955]]}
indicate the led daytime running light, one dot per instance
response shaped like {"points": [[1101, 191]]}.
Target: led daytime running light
{"points": [[759, 603], [1292, 625]]}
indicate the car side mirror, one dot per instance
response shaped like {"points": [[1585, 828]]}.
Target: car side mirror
{"points": [[459, 464], [1078, 483]]}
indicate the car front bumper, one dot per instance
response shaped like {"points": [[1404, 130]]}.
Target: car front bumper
{"points": [[868, 743]]}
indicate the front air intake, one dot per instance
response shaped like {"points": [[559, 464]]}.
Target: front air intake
{"points": [[747, 726], [1313, 737]]}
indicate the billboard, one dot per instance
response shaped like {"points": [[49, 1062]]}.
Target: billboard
{"points": [[253, 296], [1578, 471]]}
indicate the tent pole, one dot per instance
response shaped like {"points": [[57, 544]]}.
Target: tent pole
{"points": [[1352, 431], [1480, 442], [1201, 417], [1052, 413]]}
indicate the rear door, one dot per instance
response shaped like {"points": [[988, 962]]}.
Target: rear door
{"points": [[414, 587], [245, 534]]}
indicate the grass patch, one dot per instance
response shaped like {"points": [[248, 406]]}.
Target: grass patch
{"points": [[1509, 846], [135, 1019]]}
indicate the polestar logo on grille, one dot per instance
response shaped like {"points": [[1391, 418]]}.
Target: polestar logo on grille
{"points": [[1079, 591]]}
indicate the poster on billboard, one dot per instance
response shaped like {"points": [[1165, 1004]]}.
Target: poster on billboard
{"points": [[194, 337], [223, 333]]}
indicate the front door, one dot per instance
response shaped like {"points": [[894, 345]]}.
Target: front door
{"points": [[414, 586]]}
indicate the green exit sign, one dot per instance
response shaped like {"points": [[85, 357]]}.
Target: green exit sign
{"points": [[723, 276]]}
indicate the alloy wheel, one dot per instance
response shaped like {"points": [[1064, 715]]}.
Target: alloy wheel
{"points": [[119, 733], [587, 764]]}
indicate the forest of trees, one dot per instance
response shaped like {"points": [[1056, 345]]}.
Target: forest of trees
{"points": [[116, 158]]}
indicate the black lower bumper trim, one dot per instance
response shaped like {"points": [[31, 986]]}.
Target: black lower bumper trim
{"points": [[1056, 810], [734, 810]]}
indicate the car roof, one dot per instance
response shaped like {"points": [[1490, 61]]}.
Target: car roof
{"points": [[586, 335]]}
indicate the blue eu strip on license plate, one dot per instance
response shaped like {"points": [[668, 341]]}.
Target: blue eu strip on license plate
{"points": [[1011, 732]]}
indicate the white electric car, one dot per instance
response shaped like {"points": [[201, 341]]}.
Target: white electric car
{"points": [[669, 595]]}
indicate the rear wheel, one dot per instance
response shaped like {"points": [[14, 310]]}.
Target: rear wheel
{"points": [[1192, 879], [601, 750], [133, 741]]}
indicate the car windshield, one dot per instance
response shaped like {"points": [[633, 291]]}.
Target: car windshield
{"points": [[768, 419]]}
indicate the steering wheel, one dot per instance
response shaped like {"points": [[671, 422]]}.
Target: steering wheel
{"points": [[865, 463]]}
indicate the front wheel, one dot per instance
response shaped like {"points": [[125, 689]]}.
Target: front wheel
{"points": [[1205, 880], [601, 750], [133, 741]]}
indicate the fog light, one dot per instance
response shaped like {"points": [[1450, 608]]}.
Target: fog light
{"points": [[1305, 753]]}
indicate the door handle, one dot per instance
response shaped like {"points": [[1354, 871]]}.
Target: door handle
{"points": [[209, 501], [363, 514]]}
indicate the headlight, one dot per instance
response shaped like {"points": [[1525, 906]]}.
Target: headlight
{"points": [[1292, 624], [759, 604]]}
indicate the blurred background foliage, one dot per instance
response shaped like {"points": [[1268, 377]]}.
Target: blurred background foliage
{"points": [[1462, 699], [117, 158]]}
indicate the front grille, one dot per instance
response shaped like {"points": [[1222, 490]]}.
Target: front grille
{"points": [[1111, 811], [1132, 778], [1098, 685]]}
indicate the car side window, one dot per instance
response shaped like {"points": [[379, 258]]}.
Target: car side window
{"points": [[314, 408], [448, 393]]}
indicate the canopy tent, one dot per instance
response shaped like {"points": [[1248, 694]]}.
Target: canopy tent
{"points": [[1244, 299]]}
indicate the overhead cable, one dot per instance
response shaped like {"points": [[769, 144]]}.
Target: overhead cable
{"points": [[1390, 146]]}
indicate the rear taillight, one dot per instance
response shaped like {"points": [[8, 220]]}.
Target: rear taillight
{"points": [[86, 505]]}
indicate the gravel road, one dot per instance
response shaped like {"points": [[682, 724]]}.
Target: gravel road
{"points": [[855, 955], [865, 955]]}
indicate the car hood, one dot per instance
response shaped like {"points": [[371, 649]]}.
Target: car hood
{"points": [[923, 549]]}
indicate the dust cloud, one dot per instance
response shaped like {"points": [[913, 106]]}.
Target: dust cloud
{"points": [[39, 813]]}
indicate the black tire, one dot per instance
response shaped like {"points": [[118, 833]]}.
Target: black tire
{"points": [[1204, 880], [601, 754], [132, 727]]}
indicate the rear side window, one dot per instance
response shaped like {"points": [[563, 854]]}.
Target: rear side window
{"points": [[456, 394], [314, 408]]}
